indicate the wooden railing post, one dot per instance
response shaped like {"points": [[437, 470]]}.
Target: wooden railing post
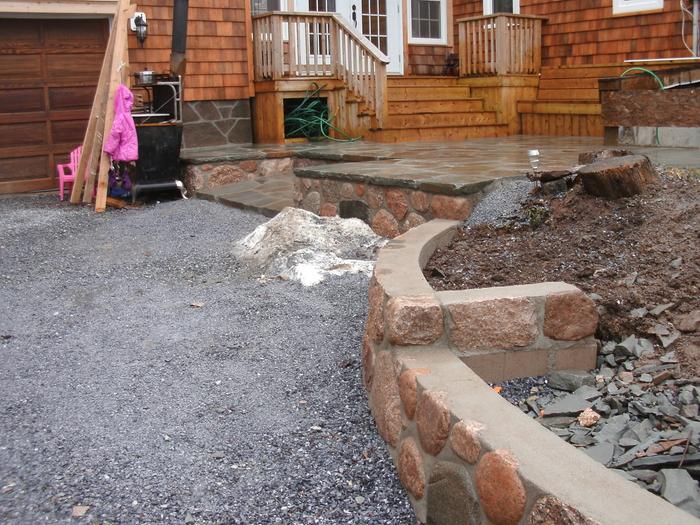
{"points": [[502, 45], [336, 66], [380, 97], [292, 46], [537, 47], [277, 46], [463, 64]]}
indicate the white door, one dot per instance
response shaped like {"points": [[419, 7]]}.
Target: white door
{"points": [[378, 20]]}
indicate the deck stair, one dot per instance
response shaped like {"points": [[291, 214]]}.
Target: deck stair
{"points": [[567, 101], [434, 108]]}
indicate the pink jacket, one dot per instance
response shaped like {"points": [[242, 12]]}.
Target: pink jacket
{"points": [[122, 143]]}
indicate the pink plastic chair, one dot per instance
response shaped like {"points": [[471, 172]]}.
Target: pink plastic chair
{"points": [[66, 172]]}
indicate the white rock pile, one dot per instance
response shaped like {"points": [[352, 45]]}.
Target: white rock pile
{"points": [[301, 246]]}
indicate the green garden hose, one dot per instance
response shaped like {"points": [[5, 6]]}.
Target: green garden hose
{"points": [[661, 85], [310, 118], [648, 71]]}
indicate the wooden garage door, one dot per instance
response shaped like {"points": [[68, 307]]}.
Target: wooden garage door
{"points": [[48, 75]]}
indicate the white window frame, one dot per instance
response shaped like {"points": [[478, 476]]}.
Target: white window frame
{"points": [[488, 7], [623, 7], [443, 26]]}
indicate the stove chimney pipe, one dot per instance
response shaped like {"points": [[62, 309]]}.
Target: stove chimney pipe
{"points": [[178, 63]]}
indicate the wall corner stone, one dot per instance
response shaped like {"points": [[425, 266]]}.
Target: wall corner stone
{"points": [[570, 316], [414, 320]]}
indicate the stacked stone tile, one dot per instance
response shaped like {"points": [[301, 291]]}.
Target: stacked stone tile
{"points": [[390, 211], [464, 454], [210, 174]]}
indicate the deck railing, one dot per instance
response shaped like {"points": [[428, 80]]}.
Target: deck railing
{"points": [[500, 44], [312, 45]]}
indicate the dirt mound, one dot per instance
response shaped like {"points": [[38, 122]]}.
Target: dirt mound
{"points": [[638, 255]]}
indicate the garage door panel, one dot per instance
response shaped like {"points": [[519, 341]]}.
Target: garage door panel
{"points": [[27, 134], [68, 131], [20, 33], [25, 67], [48, 73], [80, 65], [21, 100], [71, 97], [43, 116], [62, 158], [24, 168], [74, 33]]}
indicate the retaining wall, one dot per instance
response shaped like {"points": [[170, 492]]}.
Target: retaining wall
{"points": [[389, 210], [464, 454], [212, 173]]}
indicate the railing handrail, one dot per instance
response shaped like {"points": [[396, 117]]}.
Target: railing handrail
{"points": [[361, 39], [497, 15], [357, 36]]}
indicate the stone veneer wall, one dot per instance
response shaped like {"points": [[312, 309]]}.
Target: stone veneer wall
{"points": [[465, 455], [216, 123], [390, 211], [210, 175]]}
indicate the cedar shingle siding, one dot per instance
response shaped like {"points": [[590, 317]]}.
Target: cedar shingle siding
{"points": [[586, 32], [217, 67]]}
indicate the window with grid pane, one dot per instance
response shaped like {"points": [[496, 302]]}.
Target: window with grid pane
{"points": [[322, 6], [425, 19], [374, 23], [319, 34], [265, 6], [503, 6]]}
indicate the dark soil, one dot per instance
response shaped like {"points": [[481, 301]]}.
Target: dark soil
{"points": [[637, 252]]}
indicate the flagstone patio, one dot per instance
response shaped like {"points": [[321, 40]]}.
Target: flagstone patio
{"points": [[449, 168]]}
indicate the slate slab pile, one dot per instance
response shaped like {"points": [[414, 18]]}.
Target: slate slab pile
{"points": [[631, 414]]}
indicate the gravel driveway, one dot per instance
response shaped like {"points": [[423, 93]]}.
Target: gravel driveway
{"points": [[119, 395]]}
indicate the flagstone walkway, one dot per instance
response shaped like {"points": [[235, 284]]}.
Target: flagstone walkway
{"points": [[439, 167]]}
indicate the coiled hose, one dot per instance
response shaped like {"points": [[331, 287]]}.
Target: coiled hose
{"points": [[311, 120]]}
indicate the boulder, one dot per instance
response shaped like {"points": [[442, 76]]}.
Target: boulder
{"points": [[301, 246]]}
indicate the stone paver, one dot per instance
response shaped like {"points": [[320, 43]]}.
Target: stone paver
{"points": [[452, 168], [266, 195]]}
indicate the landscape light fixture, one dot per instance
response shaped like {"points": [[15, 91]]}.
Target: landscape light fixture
{"points": [[139, 25], [534, 156]]}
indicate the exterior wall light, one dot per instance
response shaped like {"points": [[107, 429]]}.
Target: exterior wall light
{"points": [[139, 25]]}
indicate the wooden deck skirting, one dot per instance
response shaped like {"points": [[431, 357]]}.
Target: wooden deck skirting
{"points": [[320, 45]]}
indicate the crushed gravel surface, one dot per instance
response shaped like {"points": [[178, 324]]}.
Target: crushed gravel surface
{"points": [[502, 201], [147, 376]]}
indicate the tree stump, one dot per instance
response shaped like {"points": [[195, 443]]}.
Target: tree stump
{"points": [[602, 154], [617, 177]]}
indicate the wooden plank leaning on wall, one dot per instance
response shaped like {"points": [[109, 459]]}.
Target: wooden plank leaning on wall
{"points": [[115, 70]]}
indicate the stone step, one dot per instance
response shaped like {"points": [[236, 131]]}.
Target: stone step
{"points": [[408, 107]]}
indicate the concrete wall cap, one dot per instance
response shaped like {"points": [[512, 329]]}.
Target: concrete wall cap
{"points": [[545, 461], [504, 292], [410, 252]]}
